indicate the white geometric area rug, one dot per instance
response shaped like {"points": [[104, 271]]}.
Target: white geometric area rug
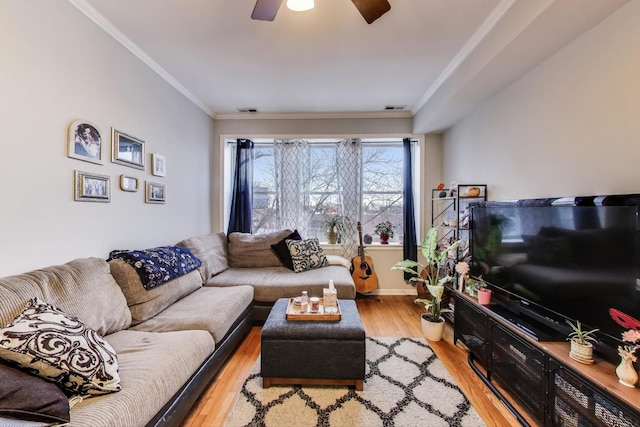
{"points": [[405, 385]]}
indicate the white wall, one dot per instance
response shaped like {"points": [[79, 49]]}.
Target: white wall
{"points": [[58, 66], [571, 126]]}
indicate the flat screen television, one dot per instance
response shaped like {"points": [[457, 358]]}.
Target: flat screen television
{"points": [[552, 260]]}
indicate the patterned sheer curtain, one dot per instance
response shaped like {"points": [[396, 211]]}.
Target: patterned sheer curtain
{"points": [[349, 173], [292, 170]]}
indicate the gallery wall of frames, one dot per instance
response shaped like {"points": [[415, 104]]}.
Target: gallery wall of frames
{"points": [[88, 144]]}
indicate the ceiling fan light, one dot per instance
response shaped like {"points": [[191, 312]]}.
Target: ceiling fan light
{"points": [[300, 5]]}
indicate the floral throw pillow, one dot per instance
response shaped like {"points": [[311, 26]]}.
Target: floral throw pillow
{"points": [[56, 346], [306, 254]]}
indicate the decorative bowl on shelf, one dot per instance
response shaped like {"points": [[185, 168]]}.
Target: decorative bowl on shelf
{"points": [[473, 192]]}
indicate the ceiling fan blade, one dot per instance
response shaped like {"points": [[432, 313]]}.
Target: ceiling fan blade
{"points": [[265, 10], [372, 9]]}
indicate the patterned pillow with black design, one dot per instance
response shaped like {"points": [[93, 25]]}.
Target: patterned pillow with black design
{"points": [[306, 254], [47, 342]]}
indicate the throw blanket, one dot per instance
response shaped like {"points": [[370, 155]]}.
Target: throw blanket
{"points": [[157, 266]]}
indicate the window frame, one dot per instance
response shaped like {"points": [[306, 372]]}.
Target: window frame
{"points": [[418, 160]]}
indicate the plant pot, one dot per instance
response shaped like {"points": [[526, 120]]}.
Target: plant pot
{"points": [[484, 296], [384, 239], [582, 353], [432, 330], [332, 237]]}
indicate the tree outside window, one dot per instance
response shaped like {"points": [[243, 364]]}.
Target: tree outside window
{"points": [[381, 188]]}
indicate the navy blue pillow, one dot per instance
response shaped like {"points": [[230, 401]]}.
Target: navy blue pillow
{"points": [[282, 250]]}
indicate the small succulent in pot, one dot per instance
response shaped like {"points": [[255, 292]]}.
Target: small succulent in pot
{"points": [[581, 343]]}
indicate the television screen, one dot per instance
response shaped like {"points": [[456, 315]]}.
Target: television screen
{"points": [[555, 261]]}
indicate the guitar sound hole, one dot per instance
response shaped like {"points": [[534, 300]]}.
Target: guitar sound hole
{"points": [[364, 266]]}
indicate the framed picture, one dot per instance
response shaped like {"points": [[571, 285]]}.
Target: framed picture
{"points": [[128, 183], [85, 142], [158, 165], [155, 192], [91, 187], [127, 150]]}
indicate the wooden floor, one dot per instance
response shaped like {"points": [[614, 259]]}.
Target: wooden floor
{"points": [[393, 316]]}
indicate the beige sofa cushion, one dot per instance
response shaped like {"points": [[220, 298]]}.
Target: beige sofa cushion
{"points": [[254, 250], [271, 283], [153, 367], [211, 249], [146, 303], [213, 309], [83, 287]]}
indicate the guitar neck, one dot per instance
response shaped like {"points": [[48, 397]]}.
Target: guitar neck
{"points": [[361, 247]]}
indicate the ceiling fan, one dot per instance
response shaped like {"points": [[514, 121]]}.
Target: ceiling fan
{"points": [[266, 10]]}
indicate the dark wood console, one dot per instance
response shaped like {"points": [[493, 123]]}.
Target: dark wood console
{"points": [[555, 389]]}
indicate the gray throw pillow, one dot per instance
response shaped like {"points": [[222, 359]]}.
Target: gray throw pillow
{"points": [[30, 398], [306, 254]]}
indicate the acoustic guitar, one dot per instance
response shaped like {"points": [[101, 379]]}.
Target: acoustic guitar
{"points": [[365, 279]]}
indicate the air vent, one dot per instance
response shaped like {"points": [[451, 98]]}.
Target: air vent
{"points": [[248, 110], [395, 107]]}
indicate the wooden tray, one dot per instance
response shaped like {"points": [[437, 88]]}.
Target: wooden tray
{"points": [[295, 313]]}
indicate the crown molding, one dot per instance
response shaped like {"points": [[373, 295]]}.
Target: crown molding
{"points": [[315, 116], [466, 50], [114, 32]]}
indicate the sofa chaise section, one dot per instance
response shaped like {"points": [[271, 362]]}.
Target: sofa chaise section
{"points": [[273, 283], [245, 259]]}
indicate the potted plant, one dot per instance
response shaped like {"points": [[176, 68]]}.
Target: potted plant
{"points": [[432, 273], [385, 230], [432, 321], [434, 278], [581, 343], [333, 225], [484, 293], [472, 285]]}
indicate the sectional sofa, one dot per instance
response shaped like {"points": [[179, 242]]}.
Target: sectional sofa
{"points": [[136, 356]]}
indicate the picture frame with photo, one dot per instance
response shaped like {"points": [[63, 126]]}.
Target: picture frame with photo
{"points": [[128, 183], [155, 192], [91, 187], [85, 142], [158, 165], [127, 150]]}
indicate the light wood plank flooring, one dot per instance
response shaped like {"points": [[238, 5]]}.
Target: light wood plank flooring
{"points": [[393, 316]]}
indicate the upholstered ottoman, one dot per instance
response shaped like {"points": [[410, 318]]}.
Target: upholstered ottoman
{"points": [[312, 351]]}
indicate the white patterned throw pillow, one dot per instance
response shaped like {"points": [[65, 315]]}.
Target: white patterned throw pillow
{"points": [[306, 254], [56, 346]]}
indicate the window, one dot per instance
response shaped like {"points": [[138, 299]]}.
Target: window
{"points": [[380, 186]]}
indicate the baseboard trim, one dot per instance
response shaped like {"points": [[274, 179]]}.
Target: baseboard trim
{"points": [[394, 292]]}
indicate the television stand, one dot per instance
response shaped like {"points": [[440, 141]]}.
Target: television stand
{"points": [[495, 391], [550, 386]]}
